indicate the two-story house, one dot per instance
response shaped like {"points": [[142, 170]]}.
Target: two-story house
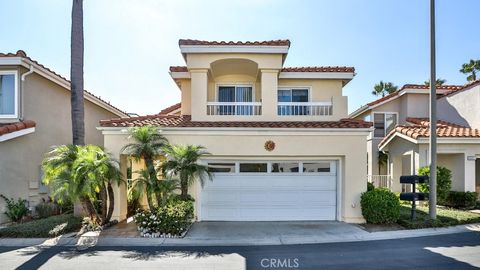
{"points": [[35, 115], [398, 145], [282, 147]]}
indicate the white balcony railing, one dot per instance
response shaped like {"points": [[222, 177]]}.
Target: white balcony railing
{"points": [[234, 108], [305, 108], [381, 180]]}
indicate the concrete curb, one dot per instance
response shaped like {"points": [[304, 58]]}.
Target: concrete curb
{"points": [[91, 239]]}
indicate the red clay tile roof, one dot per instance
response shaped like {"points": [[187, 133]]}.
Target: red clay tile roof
{"points": [[318, 69], [171, 108], [21, 53], [278, 42], [178, 69], [427, 87], [382, 99], [421, 128], [288, 69], [11, 127], [465, 87], [185, 121]]}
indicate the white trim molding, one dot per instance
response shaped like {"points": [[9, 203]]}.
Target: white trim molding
{"points": [[317, 75], [16, 94], [15, 134], [233, 49], [180, 75]]}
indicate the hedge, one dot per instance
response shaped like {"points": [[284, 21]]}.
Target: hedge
{"points": [[380, 206], [458, 199], [43, 228]]}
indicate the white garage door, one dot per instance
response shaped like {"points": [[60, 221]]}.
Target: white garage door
{"points": [[270, 191]]}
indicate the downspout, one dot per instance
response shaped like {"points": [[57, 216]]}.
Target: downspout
{"points": [[24, 75]]}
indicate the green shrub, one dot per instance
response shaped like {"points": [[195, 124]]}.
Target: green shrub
{"points": [[370, 186], [402, 202], [44, 228], [458, 199], [16, 210], [46, 209], [172, 218], [380, 206], [444, 182]]}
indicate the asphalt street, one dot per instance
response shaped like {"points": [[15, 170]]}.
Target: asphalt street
{"points": [[453, 251]]}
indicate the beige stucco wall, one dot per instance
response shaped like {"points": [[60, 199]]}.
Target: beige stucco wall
{"points": [[348, 149], [48, 104], [461, 108]]}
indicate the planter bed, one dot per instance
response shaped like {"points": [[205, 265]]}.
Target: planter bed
{"points": [[445, 217], [43, 228]]}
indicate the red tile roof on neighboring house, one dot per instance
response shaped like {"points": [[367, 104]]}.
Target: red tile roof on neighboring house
{"points": [[288, 69], [278, 42], [185, 121], [427, 87], [421, 128], [17, 126], [465, 87], [318, 69], [21, 53], [171, 108]]}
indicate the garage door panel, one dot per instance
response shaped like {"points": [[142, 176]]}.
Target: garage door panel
{"points": [[269, 196]]}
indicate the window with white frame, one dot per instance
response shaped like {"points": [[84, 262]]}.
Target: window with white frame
{"points": [[384, 123], [235, 93], [288, 99], [8, 94], [277, 167]]}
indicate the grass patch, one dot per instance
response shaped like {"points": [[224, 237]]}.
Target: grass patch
{"points": [[43, 228], [445, 217]]}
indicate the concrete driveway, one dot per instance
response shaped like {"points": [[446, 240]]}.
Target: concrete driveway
{"points": [[269, 233]]}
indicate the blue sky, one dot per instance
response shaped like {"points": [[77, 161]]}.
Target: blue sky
{"points": [[129, 45]]}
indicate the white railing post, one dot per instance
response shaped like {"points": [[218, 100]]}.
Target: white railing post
{"points": [[305, 108]]}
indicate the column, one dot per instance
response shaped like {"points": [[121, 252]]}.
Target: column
{"points": [[198, 95], [269, 93]]}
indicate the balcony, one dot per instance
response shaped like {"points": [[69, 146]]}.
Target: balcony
{"points": [[305, 108], [381, 181], [234, 108]]}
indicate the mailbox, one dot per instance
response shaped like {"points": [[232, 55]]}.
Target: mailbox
{"points": [[413, 179], [413, 196]]}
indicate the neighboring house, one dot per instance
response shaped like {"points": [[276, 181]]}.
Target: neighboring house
{"points": [[282, 147], [401, 130], [35, 115]]}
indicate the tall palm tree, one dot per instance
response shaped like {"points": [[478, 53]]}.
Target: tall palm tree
{"points": [[147, 145], [76, 74], [384, 88], [182, 161], [471, 68], [438, 82], [80, 173]]}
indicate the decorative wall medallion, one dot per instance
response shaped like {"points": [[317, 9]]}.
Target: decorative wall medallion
{"points": [[269, 145]]}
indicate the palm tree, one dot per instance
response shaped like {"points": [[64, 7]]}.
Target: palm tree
{"points": [[147, 145], [157, 191], [471, 68], [384, 88], [438, 82], [76, 74], [182, 161], [81, 173]]}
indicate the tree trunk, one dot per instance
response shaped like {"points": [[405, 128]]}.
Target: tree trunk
{"points": [[111, 202], [88, 207], [76, 74], [103, 197], [184, 187]]}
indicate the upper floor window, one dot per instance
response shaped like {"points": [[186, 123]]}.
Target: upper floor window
{"points": [[292, 95], [234, 100], [384, 123], [287, 99], [235, 93], [8, 94]]}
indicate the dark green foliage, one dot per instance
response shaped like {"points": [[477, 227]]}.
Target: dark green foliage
{"points": [[444, 182], [172, 218], [46, 209], [43, 228], [16, 210], [380, 206], [445, 217], [458, 199], [370, 186]]}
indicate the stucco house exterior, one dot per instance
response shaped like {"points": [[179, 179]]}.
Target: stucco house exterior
{"points": [[282, 146], [34, 115], [401, 130]]}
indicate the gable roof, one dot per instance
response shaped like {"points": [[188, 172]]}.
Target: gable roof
{"points": [[171, 109], [444, 90], [467, 86], [277, 42], [420, 128], [59, 79], [185, 121]]}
